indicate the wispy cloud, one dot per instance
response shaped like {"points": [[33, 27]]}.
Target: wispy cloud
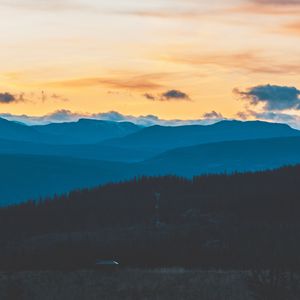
{"points": [[276, 2], [250, 61], [139, 82], [292, 28], [268, 7], [47, 5], [170, 14], [193, 9], [149, 96]]}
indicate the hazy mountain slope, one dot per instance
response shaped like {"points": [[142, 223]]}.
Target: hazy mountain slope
{"points": [[33, 176], [81, 132], [163, 138], [250, 155], [20, 132], [87, 131], [25, 177], [85, 151]]}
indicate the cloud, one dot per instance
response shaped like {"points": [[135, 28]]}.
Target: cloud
{"points": [[149, 96], [174, 95], [58, 116], [7, 98], [62, 115], [186, 14], [268, 7], [275, 101], [273, 97], [213, 115], [139, 82], [250, 61], [177, 9], [48, 5], [276, 117], [58, 97], [171, 95], [65, 115], [276, 2], [44, 96], [292, 28]]}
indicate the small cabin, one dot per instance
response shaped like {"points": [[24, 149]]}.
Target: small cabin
{"points": [[107, 265]]}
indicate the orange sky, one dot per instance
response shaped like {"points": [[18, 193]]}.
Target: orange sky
{"points": [[96, 56]]}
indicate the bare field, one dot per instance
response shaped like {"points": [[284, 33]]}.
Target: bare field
{"points": [[159, 284]]}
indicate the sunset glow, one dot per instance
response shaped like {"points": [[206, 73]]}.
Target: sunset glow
{"points": [[94, 56]]}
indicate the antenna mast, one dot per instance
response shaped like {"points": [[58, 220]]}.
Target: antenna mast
{"points": [[157, 208]]}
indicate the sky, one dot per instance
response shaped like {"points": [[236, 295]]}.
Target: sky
{"points": [[172, 59]]}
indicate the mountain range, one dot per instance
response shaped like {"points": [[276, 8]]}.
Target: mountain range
{"points": [[160, 138], [84, 131], [43, 160]]}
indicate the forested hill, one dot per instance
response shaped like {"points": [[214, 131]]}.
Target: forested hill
{"points": [[223, 221], [270, 196]]}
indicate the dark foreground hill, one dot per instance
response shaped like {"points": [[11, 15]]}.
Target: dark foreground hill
{"points": [[159, 284], [240, 221]]}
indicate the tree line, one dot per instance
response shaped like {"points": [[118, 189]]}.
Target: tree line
{"points": [[215, 221]]}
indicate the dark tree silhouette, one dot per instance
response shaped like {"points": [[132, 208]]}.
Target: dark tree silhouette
{"points": [[217, 221]]}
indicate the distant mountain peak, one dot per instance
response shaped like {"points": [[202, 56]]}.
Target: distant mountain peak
{"points": [[250, 123], [3, 120], [87, 120]]}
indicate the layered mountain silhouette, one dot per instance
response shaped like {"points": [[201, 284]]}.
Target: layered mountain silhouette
{"points": [[82, 132], [226, 157], [19, 132], [40, 161], [161, 138], [25, 177], [86, 131], [127, 142], [85, 151]]}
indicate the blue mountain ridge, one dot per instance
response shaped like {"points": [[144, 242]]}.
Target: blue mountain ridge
{"points": [[33, 169]]}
